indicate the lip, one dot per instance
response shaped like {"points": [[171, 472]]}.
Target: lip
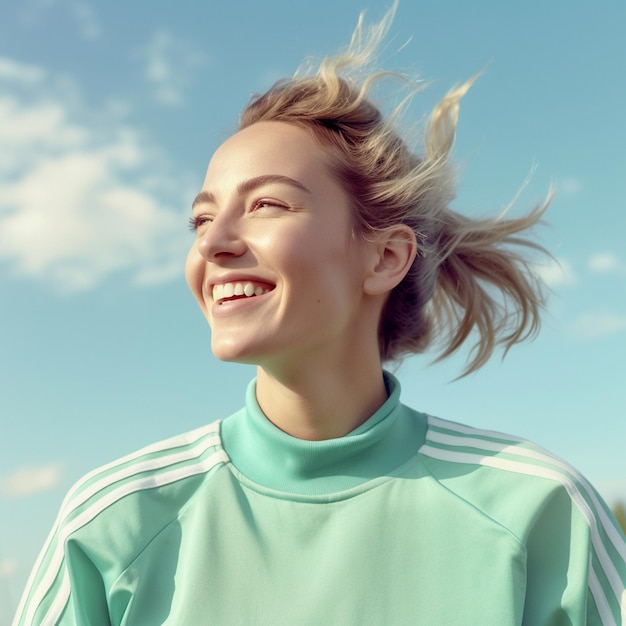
{"points": [[227, 307], [222, 279]]}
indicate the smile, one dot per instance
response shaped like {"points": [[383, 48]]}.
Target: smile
{"points": [[231, 291]]}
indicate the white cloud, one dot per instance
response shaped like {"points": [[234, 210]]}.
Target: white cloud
{"points": [[606, 262], [21, 126], [30, 480], [569, 186], [556, 272], [20, 72], [78, 198], [169, 65], [597, 325]]}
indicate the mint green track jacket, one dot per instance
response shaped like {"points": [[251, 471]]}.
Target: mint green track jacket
{"points": [[409, 519]]}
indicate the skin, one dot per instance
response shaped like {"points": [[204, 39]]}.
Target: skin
{"points": [[271, 213]]}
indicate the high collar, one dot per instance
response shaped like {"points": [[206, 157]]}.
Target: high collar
{"points": [[269, 457]]}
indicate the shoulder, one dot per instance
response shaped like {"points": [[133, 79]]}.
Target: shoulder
{"points": [[550, 506], [459, 444], [466, 458], [167, 470], [114, 512], [515, 480]]}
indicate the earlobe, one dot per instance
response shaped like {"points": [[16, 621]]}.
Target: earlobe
{"points": [[396, 248]]}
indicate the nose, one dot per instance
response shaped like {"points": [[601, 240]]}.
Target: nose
{"points": [[222, 239]]}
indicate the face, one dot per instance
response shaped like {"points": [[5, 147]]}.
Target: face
{"points": [[275, 267]]}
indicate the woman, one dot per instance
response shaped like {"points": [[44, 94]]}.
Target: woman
{"points": [[324, 248]]}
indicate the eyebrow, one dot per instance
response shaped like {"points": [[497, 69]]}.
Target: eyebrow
{"points": [[206, 197]]}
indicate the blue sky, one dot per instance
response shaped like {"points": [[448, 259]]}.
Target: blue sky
{"points": [[109, 113]]}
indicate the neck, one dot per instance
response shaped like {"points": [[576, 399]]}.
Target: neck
{"points": [[327, 405]]}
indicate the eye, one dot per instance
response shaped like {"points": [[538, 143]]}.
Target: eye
{"points": [[197, 221], [268, 203]]}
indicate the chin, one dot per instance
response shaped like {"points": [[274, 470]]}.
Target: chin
{"points": [[233, 352]]}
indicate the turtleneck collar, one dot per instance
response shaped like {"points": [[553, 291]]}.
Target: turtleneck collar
{"points": [[263, 454]]}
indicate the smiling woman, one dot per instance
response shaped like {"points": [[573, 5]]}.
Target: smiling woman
{"points": [[324, 247], [272, 216]]}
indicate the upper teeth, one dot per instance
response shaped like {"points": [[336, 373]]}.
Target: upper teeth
{"points": [[228, 290]]}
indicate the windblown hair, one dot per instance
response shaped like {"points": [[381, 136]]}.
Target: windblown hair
{"points": [[469, 274]]}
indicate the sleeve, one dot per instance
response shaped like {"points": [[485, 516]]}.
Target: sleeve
{"points": [[64, 588], [576, 567]]}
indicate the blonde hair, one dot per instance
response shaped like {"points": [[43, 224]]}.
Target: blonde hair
{"points": [[469, 274]]}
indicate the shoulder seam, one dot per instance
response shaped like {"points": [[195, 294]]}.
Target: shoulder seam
{"points": [[470, 504], [63, 529], [137, 485], [576, 485], [164, 446]]}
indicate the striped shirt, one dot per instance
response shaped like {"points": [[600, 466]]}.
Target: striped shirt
{"points": [[409, 519]]}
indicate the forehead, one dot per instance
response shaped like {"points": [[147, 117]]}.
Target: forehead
{"points": [[268, 148]]}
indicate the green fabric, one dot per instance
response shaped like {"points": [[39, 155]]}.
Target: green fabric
{"points": [[407, 520], [266, 455]]}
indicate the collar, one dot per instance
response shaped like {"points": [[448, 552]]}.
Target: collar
{"points": [[263, 454]]}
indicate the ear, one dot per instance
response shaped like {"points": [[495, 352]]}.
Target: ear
{"points": [[394, 252]]}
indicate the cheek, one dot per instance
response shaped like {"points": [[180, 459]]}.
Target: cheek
{"points": [[194, 274]]}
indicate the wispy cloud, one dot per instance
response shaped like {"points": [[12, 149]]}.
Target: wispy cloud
{"points": [[85, 17], [606, 262], [21, 72], [29, 480], [569, 186], [81, 194], [169, 66], [556, 272], [596, 325], [80, 12]]}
